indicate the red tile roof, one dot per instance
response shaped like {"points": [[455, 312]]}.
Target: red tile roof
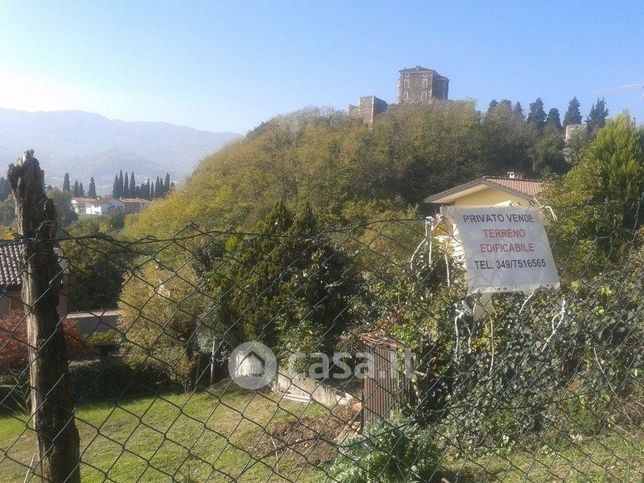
{"points": [[523, 187], [11, 265], [526, 186]]}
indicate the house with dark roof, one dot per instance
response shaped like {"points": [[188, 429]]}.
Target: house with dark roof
{"points": [[12, 266], [490, 191]]}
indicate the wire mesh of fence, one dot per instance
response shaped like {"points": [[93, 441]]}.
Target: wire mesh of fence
{"points": [[385, 368]]}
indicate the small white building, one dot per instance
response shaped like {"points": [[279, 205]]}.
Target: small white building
{"points": [[97, 206]]}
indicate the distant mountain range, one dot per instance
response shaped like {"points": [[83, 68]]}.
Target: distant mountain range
{"points": [[86, 144]]}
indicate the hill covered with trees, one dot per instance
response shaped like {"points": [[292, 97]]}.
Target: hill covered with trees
{"points": [[337, 163]]}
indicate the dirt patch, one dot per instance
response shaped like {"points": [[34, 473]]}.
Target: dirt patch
{"points": [[311, 439]]}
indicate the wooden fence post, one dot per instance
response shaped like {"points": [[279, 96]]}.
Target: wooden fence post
{"points": [[52, 406]]}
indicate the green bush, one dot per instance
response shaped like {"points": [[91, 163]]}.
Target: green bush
{"points": [[393, 450], [90, 382], [107, 380]]}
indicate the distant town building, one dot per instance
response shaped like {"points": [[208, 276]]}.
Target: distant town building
{"points": [[97, 206], [134, 205], [107, 204], [419, 85], [366, 110]]}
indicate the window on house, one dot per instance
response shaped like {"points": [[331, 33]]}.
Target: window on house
{"points": [[406, 84], [425, 83], [423, 96], [406, 96]]}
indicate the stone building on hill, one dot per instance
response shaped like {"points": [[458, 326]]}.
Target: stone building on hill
{"points": [[419, 85], [367, 109]]}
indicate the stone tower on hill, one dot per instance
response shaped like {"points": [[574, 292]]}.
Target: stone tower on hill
{"points": [[367, 109], [419, 85]]}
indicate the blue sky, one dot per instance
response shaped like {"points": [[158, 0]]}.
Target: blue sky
{"points": [[227, 66]]}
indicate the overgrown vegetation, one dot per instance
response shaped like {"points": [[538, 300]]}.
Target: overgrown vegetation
{"points": [[261, 261], [394, 450], [334, 162]]}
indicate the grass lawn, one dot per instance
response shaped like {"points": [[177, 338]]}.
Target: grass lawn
{"points": [[184, 437], [617, 457], [220, 435]]}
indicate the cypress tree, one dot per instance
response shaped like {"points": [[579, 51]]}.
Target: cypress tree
{"points": [[573, 115], [537, 116], [132, 185], [115, 187], [553, 121], [81, 191], [76, 192], [597, 117], [518, 111], [167, 183], [66, 185], [92, 188], [121, 185], [126, 187]]}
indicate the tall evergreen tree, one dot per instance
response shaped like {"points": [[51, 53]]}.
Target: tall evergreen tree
{"points": [[158, 189], [166, 185], [493, 104], [132, 185], [115, 187], [81, 191], [121, 185], [553, 122], [126, 186], [597, 117], [76, 192], [537, 116], [91, 193], [292, 268], [506, 104], [573, 115], [66, 186], [518, 111]]}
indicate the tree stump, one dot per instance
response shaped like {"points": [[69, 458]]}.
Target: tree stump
{"points": [[52, 406]]}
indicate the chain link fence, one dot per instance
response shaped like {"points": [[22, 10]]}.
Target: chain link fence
{"points": [[385, 369]]}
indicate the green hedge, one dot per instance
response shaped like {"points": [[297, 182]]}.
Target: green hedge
{"points": [[91, 382]]}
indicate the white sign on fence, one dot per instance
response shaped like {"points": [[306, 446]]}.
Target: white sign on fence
{"points": [[506, 248]]}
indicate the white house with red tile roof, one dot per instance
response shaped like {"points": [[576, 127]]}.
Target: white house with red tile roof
{"points": [[97, 206], [490, 191]]}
